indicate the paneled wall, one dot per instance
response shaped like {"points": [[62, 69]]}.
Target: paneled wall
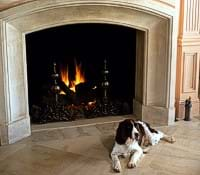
{"points": [[188, 56]]}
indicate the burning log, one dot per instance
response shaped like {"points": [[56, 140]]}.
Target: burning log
{"points": [[86, 92], [67, 91]]}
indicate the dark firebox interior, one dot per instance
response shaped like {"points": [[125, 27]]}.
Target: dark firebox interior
{"points": [[90, 45]]}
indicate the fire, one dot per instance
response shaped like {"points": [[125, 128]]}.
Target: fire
{"points": [[65, 75], [79, 76]]}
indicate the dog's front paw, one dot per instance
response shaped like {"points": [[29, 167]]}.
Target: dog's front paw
{"points": [[117, 167], [131, 164]]}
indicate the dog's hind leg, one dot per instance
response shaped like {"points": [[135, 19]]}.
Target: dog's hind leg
{"points": [[146, 149], [167, 138]]}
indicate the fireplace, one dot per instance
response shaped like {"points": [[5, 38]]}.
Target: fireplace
{"points": [[79, 51], [153, 79]]}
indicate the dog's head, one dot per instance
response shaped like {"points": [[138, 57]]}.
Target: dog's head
{"points": [[126, 131]]}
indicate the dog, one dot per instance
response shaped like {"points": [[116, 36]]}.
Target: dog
{"points": [[132, 137]]}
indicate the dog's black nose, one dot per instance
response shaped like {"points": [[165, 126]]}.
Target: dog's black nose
{"points": [[136, 136]]}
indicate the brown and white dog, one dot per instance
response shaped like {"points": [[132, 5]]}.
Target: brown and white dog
{"points": [[131, 137]]}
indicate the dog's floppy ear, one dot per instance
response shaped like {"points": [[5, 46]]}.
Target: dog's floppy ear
{"points": [[120, 134], [124, 131]]}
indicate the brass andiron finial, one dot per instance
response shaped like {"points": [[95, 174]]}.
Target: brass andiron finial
{"points": [[55, 87], [55, 110], [105, 86]]}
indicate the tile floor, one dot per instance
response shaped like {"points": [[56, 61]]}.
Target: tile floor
{"points": [[83, 149]]}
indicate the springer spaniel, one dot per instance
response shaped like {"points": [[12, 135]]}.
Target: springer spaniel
{"points": [[130, 139]]}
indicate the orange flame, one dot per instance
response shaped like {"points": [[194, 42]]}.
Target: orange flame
{"points": [[64, 76], [79, 77]]}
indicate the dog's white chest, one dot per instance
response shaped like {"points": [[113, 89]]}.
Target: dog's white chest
{"points": [[126, 149]]}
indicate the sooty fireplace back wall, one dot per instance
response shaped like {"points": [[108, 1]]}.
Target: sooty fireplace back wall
{"points": [[83, 46]]}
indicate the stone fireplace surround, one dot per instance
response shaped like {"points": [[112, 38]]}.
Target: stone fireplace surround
{"points": [[155, 54]]}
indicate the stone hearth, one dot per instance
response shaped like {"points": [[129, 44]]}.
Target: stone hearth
{"points": [[60, 151], [156, 25]]}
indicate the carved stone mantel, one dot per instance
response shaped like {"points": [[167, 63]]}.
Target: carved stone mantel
{"points": [[156, 24]]}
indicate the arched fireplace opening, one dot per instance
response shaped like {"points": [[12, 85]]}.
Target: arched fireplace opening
{"points": [[80, 51]]}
